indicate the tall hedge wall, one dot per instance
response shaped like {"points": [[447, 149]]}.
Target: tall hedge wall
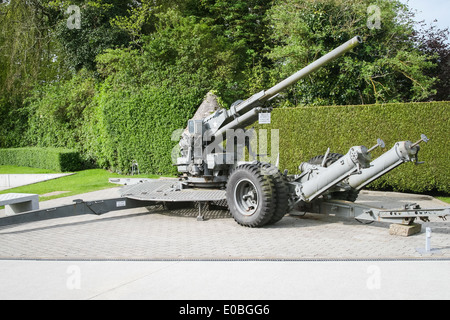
{"points": [[307, 132], [127, 126]]}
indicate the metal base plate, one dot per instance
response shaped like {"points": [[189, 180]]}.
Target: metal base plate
{"points": [[168, 190]]}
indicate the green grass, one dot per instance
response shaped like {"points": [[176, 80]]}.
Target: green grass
{"points": [[23, 170], [82, 182], [79, 183], [445, 199]]}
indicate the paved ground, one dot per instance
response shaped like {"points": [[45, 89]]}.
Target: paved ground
{"points": [[156, 254], [217, 280], [158, 234]]}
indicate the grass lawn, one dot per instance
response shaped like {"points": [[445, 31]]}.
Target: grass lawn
{"points": [[445, 199], [81, 182], [23, 170]]}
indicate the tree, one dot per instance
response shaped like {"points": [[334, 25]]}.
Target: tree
{"points": [[434, 42], [142, 18], [26, 59], [388, 67], [26, 46], [181, 46], [243, 22], [95, 34], [149, 91]]}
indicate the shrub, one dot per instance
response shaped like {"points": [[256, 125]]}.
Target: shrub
{"points": [[61, 160], [139, 126], [307, 132]]}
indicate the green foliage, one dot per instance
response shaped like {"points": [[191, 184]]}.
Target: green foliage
{"points": [[27, 52], [241, 21], [57, 112], [142, 17], [96, 34], [141, 98], [23, 170], [148, 94], [25, 47], [238, 28], [60, 160], [308, 132], [388, 67], [81, 182], [143, 129]]}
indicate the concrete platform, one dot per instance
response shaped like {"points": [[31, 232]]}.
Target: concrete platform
{"points": [[19, 202]]}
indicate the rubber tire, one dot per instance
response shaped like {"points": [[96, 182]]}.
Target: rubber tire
{"points": [[265, 192], [281, 189]]}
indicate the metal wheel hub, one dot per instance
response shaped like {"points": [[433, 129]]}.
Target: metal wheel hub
{"points": [[246, 197]]}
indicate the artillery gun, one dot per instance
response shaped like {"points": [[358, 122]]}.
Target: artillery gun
{"points": [[202, 161], [257, 193]]}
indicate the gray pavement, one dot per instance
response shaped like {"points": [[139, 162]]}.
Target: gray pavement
{"points": [[155, 254], [218, 280], [157, 234]]}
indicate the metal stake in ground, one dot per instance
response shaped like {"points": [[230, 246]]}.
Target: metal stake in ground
{"points": [[428, 250]]}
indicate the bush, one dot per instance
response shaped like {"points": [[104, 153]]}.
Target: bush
{"points": [[61, 160], [57, 112], [146, 95], [139, 126], [307, 132]]}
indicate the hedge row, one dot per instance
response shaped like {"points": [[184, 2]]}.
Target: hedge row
{"points": [[307, 132], [61, 160], [139, 125]]}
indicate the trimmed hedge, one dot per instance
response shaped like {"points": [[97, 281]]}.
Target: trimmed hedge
{"points": [[308, 132], [138, 125], [61, 160]]}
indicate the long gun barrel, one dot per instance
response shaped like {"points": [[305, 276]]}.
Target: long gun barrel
{"points": [[246, 112], [203, 133], [333, 55]]}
